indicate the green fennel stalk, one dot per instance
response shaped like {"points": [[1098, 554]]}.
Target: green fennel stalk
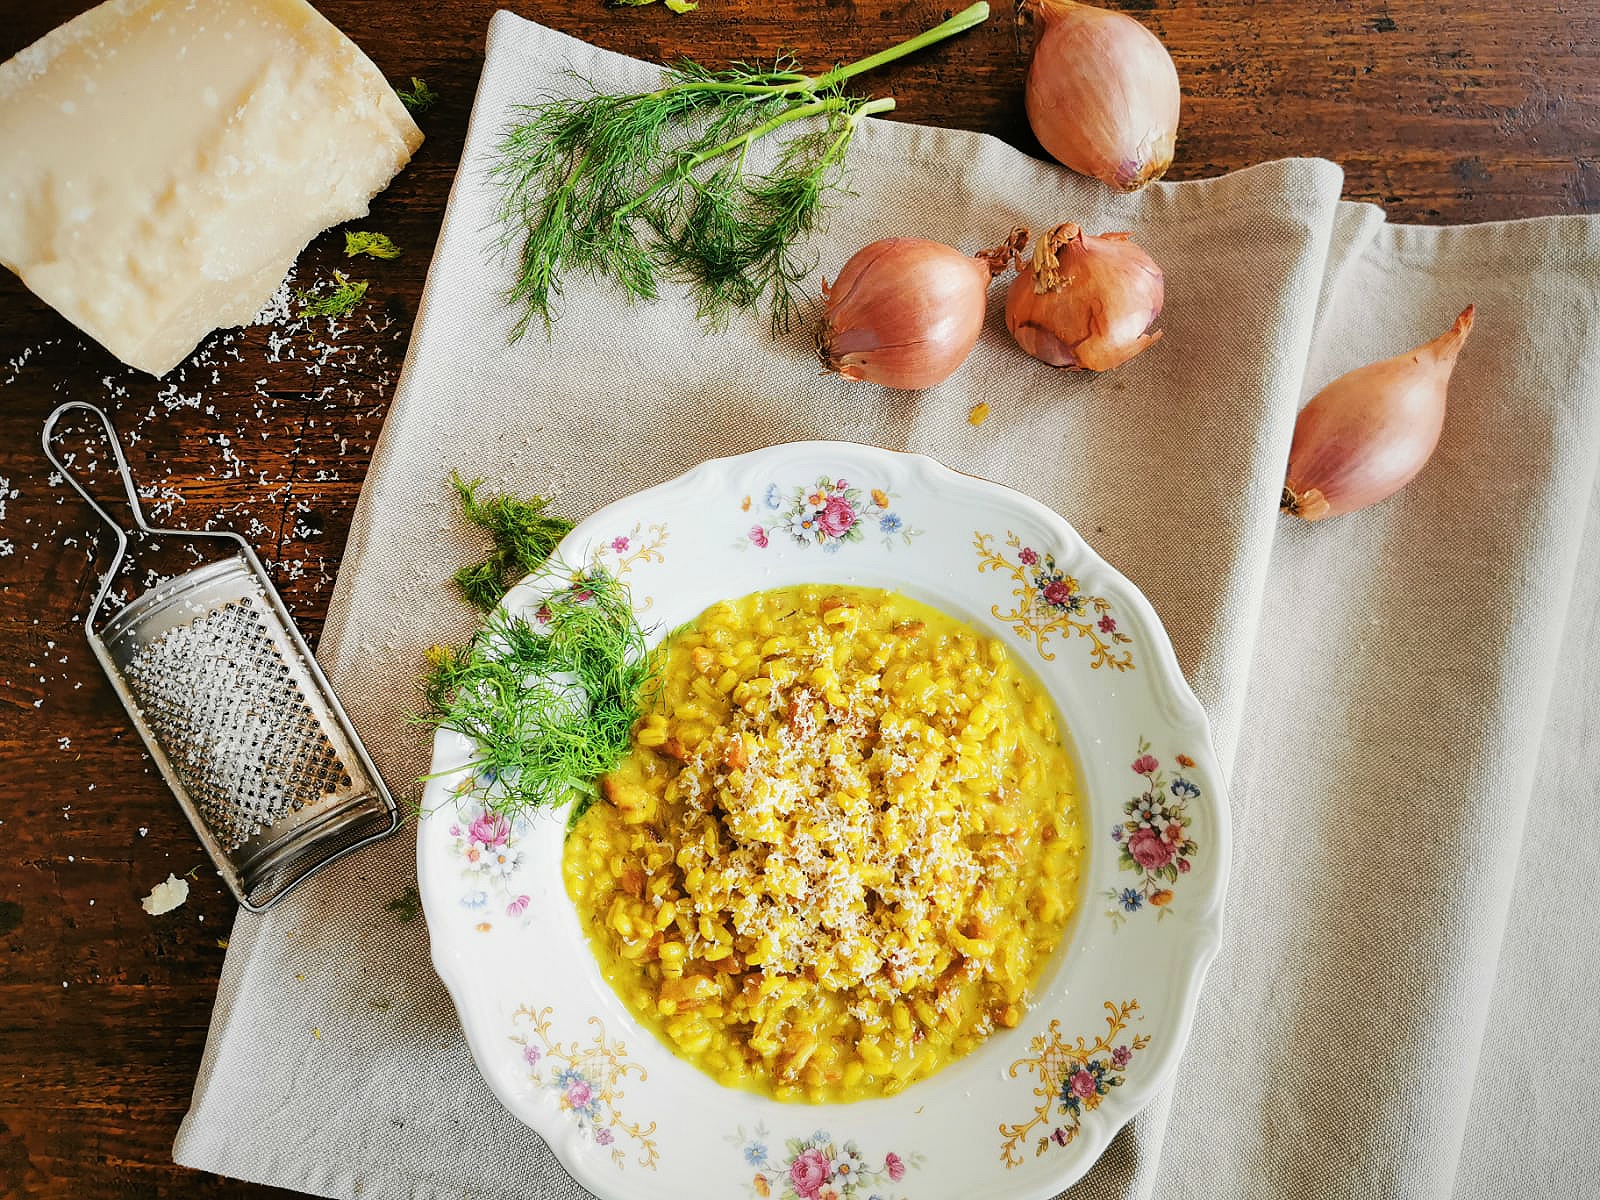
{"points": [[640, 187]]}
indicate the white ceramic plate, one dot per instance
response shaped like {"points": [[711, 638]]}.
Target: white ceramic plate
{"points": [[1031, 1109]]}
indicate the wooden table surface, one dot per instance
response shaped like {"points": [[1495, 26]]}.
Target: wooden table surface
{"points": [[1441, 113]]}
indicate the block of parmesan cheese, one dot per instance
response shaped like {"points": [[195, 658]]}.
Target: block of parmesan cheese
{"points": [[163, 162]]}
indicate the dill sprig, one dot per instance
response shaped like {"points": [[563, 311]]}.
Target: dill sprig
{"points": [[373, 245], [419, 98], [524, 536], [639, 187], [346, 294], [550, 704]]}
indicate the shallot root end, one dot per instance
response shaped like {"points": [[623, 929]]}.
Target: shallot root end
{"points": [[1308, 504], [1006, 254]]}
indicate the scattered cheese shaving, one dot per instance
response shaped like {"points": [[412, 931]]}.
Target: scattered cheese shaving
{"points": [[978, 414], [166, 896]]}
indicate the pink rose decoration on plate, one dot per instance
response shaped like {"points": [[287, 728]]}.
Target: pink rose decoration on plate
{"points": [[490, 830], [1057, 592], [1157, 838], [895, 1165], [1083, 1085], [808, 1173], [828, 514], [837, 516], [1148, 850], [579, 1093]]}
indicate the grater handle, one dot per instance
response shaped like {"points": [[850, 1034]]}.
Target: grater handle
{"points": [[116, 451], [127, 482], [128, 486]]}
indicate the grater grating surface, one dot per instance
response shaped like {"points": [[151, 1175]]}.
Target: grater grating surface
{"points": [[234, 723], [234, 710]]}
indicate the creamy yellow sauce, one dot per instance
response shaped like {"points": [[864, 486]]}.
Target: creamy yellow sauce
{"points": [[845, 841]]}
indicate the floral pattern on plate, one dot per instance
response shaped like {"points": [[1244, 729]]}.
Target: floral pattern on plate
{"points": [[953, 1118], [828, 513], [488, 848], [586, 1080], [1154, 842], [1073, 1078], [640, 545], [818, 1168], [1048, 601]]}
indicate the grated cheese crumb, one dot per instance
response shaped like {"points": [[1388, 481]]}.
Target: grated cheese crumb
{"points": [[166, 896]]}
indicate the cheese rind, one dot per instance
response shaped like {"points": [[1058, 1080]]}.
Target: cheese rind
{"points": [[163, 162]]}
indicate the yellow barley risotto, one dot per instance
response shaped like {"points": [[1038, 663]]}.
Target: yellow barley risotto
{"points": [[846, 839]]}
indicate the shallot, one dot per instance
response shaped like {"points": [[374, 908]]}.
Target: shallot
{"points": [[1102, 93], [1367, 434], [1085, 302], [906, 312]]}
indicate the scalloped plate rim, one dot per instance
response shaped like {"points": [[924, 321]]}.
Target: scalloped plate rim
{"points": [[1120, 1105]]}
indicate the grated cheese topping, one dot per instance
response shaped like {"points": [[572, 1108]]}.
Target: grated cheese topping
{"points": [[847, 832]]}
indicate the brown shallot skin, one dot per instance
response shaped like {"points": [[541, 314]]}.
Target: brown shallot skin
{"points": [[1085, 302], [906, 312], [1102, 93], [1367, 434]]}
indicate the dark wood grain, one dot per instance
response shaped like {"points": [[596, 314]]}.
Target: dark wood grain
{"points": [[1441, 113]]}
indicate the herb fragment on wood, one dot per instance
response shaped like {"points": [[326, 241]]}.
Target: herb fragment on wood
{"points": [[373, 245], [346, 294], [550, 704], [677, 6], [406, 905], [420, 98], [524, 534], [652, 186]]}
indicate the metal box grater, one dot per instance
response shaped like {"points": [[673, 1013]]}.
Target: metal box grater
{"points": [[234, 709]]}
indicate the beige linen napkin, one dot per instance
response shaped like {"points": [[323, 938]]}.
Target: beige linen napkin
{"points": [[1381, 683]]}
